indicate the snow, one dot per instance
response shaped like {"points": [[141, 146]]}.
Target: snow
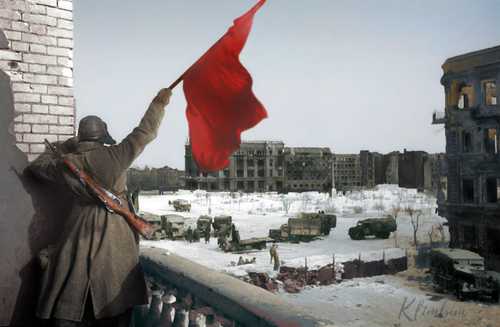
{"points": [[254, 214]]}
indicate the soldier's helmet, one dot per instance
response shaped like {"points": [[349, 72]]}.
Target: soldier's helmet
{"points": [[93, 128]]}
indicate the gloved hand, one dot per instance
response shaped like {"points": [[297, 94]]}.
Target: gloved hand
{"points": [[163, 96]]}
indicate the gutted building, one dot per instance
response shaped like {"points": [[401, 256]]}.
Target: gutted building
{"points": [[347, 172], [308, 169], [471, 119]]}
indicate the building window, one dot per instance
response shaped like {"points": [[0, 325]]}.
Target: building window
{"points": [[469, 237], [226, 185], [251, 173], [490, 140], [262, 173], [261, 185], [464, 97], [468, 190], [492, 190], [493, 235], [466, 142], [240, 185], [490, 93], [226, 172], [239, 173]]}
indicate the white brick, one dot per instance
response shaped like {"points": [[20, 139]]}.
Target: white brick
{"points": [[34, 68], [40, 39], [20, 5], [65, 43], [65, 81], [67, 5], [66, 62], [60, 110], [19, 46], [62, 52], [66, 120], [19, 137], [52, 3], [60, 13], [66, 24], [40, 19], [22, 107], [18, 118], [55, 129], [56, 90], [40, 128], [27, 97], [38, 29], [21, 87], [22, 128], [32, 156], [40, 109], [10, 55], [37, 148], [38, 9], [49, 99], [38, 48], [66, 101], [39, 59], [23, 147], [40, 79], [20, 26], [39, 138], [13, 35], [59, 32], [60, 71], [10, 14], [38, 88], [39, 119], [5, 23]]}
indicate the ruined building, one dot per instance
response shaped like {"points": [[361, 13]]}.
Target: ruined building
{"points": [[471, 120], [262, 166]]}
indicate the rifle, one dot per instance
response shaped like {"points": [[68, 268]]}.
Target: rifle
{"points": [[111, 202]]}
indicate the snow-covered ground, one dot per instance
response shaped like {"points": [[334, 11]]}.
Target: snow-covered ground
{"points": [[375, 301], [254, 214]]}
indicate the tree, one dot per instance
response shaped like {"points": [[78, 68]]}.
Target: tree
{"points": [[415, 220], [286, 202]]}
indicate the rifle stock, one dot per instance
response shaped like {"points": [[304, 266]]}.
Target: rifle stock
{"points": [[110, 201]]}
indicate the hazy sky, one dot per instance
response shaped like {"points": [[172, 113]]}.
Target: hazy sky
{"points": [[349, 75]]}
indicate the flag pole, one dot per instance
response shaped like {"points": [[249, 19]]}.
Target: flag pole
{"points": [[176, 82]]}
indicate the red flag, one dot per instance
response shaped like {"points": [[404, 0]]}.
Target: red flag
{"points": [[220, 101]]}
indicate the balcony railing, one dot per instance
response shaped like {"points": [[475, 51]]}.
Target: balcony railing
{"points": [[188, 294]]}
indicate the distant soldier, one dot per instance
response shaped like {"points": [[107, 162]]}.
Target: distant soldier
{"points": [[196, 235], [189, 234], [274, 256], [207, 234], [235, 235]]}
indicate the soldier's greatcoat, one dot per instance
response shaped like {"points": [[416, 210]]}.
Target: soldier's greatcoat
{"points": [[97, 253]]}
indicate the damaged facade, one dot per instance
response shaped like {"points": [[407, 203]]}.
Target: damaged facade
{"points": [[471, 120]]}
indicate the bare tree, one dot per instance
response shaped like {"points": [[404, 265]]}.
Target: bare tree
{"points": [[415, 220], [287, 203]]}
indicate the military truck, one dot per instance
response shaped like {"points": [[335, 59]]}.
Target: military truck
{"points": [[173, 225], [378, 227], [305, 227], [462, 272], [181, 205], [222, 225], [203, 222], [254, 243]]}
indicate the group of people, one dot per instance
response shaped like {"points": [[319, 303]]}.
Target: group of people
{"points": [[193, 234]]}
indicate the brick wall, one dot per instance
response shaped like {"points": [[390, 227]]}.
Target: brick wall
{"points": [[40, 65]]}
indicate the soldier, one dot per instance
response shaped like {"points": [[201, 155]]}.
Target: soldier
{"points": [[93, 274], [274, 256], [189, 235], [235, 235], [196, 235], [207, 234]]}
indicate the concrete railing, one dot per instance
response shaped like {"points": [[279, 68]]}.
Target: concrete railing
{"points": [[185, 293]]}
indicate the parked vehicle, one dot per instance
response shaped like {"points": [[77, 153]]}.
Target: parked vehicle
{"points": [[203, 222], [173, 225], [305, 227], [254, 243], [462, 272], [378, 227], [181, 205], [222, 225]]}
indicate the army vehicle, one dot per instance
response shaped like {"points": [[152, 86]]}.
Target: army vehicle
{"points": [[462, 272], [378, 227], [254, 243], [222, 226], [305, 227], [173, 226], [181, 205], [203, 222]]}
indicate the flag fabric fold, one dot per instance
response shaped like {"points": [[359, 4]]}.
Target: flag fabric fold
{"points": [[220, 101]]}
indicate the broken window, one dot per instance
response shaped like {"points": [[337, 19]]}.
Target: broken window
{"points": [[469, 236], [239, 173], [492, 190], [464, 97], [466, 142], [468, 190], [490, 140], [493, 235], [490, 93], [240, 185]]}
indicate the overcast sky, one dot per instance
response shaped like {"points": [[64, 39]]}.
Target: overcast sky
{"points": [[349, 75]]}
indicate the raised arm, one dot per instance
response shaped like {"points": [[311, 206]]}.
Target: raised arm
{"points": [[133, 145]]}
